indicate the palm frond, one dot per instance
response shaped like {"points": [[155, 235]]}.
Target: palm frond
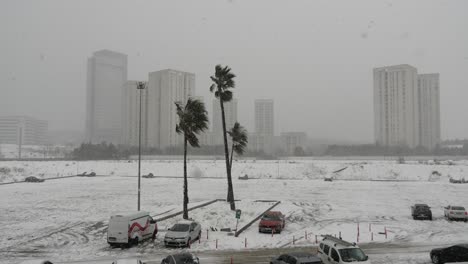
{"points": [[193, 119]]}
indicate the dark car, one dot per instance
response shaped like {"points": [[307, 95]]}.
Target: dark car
{"points": [[272, 221], [33, 179], [182, 258], [457, 253], [297, 258], [421, 211]]}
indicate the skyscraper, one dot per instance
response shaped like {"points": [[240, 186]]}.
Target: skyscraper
{"points": [[429, 110], [396, 106], [264, 117], [264, 137], [107, 73], [230, 114], [164, 88], [131, 114]]}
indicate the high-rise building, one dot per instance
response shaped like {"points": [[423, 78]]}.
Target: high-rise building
{"points": [[22, 130], [293, 140], [264, 137], [107, 73], [429, 110], [230, 114], [131, 114], [396, 106], [164, 89], [264, 117]]}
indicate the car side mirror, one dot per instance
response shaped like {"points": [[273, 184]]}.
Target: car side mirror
{"points": [[153, 222]]}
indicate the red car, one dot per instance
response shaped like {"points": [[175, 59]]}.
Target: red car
{"points": [[272, 221]]}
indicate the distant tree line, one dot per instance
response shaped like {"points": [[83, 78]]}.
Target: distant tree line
{"points": [[102, 151]]}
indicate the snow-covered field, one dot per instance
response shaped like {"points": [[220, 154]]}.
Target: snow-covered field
{"points": [[11, 171], [66, 219]]}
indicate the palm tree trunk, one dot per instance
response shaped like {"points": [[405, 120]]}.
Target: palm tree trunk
{"points": [[186, 200], [230, 196], [232, 153]]}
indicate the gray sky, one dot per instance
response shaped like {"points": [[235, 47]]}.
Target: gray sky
{"points": [[314, 58]]}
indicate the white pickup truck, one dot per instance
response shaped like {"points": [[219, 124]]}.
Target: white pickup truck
{"points": [[455, 213]]}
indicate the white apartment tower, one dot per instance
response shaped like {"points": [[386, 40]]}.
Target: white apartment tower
{"points": [[264, 117], [230, 114], [107, 73], [131, 114], [396, 106], [429, 110], [164, 89]]}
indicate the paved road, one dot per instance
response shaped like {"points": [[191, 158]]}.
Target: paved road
{"points": [[378, 253]]}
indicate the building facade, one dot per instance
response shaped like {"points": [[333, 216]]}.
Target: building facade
{"points": [[107, 73], [230, 114], [429, 110], [292, 140], [131, 114], [22, 130], [396, 106], [264, 117], [164, 89]]}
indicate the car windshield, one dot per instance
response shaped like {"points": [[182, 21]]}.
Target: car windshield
{"points": [[180, 228], [458, 208], [271, 217], [352, 254]]}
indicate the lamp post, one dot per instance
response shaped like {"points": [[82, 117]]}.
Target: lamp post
{"points": [[140, 87]]}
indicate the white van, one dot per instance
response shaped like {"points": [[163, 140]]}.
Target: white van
{"points": [[333, 250], [131, 228]]}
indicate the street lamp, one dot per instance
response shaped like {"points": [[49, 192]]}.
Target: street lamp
{"points": [[140, 87]]}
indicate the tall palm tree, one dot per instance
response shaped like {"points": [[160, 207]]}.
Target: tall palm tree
{"points": [[223, 80], [193, 119], [239, 140]]}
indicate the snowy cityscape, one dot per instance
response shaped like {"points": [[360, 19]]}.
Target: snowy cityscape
{"points": [[229, 132]]}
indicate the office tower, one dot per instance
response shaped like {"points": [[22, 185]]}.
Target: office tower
{"points": [[107, 73]]}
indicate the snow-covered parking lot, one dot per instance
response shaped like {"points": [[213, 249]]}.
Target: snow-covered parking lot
{"points": [[66, 219]]}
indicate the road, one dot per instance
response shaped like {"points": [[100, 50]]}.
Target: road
{"points": [[378, 253]]}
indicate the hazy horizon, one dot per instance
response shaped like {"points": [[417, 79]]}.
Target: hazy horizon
{"points": [[314, 58]]}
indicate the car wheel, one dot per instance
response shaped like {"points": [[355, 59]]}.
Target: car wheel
{"points": [[435, 259]]}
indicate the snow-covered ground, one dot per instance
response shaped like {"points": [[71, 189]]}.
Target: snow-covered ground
{"points": [[66, 219], [11, 171], [10, 151]]}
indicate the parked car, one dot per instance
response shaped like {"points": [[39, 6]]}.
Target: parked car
{"points": [[182, 258], [128, 261], [421, 211], [457, 253], [182, 234], [297, 258], [455, 213], [333, 250], [271, 221], [33, 179], [131, 228]]}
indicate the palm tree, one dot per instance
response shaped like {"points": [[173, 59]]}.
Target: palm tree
{"points": [[239, 140], [223, 80], [193, 119]]}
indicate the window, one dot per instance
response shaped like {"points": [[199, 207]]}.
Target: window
{"points": [[334, 255], [326, 249]]}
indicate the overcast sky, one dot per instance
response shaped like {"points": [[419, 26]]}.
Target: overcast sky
{"points": [[314, 58]]}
